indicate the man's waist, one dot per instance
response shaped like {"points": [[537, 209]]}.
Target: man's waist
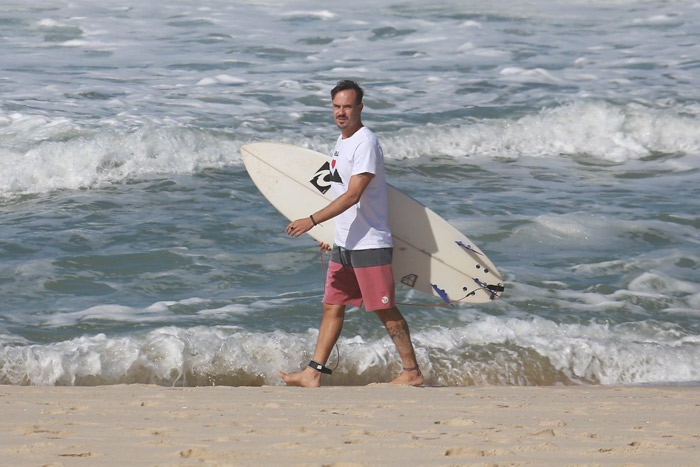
{"points": [[362, 258]]}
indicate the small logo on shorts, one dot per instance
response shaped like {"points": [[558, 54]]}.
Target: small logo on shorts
{"points": [[385, 300]]}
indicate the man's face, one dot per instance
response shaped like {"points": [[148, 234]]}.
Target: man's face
{"points": [[346, 110]]}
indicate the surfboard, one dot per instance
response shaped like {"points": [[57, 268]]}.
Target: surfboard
{"points": [[430, 254]]}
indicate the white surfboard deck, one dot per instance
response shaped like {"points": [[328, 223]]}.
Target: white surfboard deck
{"points": [[430, 255]]}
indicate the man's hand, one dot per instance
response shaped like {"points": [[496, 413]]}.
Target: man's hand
{"points": [[357, 185], [299, 226]]}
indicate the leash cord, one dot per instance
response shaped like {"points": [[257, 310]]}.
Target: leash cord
{"points": [[433, 304]]}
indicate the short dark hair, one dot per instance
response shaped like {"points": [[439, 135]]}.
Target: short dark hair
{"points": [[346, 85]]}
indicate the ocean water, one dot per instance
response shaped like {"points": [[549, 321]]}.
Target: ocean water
{"points": [[563, 137]]}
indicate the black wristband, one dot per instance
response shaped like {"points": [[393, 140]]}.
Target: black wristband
{"points": [[320, 368], [313, 220]]}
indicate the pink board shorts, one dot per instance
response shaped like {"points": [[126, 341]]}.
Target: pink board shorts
{"points": [[361, 276]]}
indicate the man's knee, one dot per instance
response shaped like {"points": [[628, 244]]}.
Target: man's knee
{"points": [[389, 314], [333, 310]]}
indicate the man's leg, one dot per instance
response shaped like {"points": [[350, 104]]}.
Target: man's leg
{"points": [[397, 327], [328, 334]]}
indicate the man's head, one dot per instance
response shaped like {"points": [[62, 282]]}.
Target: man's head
{"points": [[347, 107], [346, 85]]}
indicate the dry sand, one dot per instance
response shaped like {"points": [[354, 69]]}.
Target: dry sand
{"points": [[372, 425]]}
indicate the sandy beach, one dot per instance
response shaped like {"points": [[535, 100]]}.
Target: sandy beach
{"points": [[369, 425]]}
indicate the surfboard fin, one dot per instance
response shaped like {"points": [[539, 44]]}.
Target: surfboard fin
{"points": [[441, 293], [467, 247], [490, 288]]}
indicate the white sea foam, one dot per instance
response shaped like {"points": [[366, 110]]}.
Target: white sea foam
{"points": [[55, 153], [537, 75], [594, 129], [660, 283], [472, 24], [659, 20], [575, 228], [50, 23], [594, 353], [164, 356], [318, 14], [65, 157], [19, 130], [220, 79]]}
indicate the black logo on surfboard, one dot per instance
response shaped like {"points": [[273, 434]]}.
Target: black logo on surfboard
{"points": [[409, 280], [324, 176]]}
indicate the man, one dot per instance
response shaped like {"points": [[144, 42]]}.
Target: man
{"points": [[360, 267]]}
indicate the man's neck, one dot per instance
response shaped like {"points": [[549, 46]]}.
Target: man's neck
{"points": [[347, 133]]}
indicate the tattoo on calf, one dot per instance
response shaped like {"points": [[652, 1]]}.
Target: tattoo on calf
{"points": [[399, 332]]}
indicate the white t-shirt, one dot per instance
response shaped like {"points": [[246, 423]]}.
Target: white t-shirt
{"points": [[366, 224]]}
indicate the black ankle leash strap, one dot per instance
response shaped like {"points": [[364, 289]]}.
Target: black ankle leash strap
{"points": [[320, 368]]}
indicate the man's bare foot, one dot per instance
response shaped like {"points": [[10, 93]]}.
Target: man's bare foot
{"points": [[308, 378], [410, 377]]}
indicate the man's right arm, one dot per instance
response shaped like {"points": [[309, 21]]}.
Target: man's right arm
{"points": [[357, 185]]}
